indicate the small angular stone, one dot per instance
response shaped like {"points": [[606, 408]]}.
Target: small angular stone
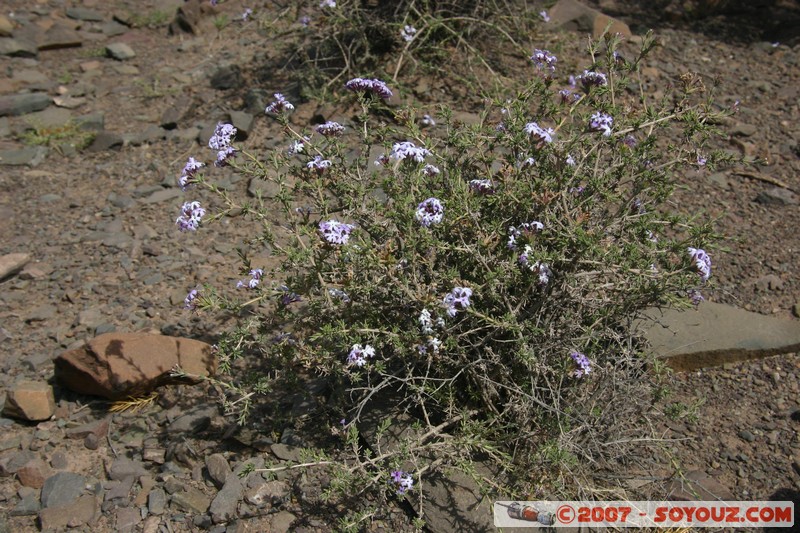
{"points": [[75, 514], [83, 13], [22, 104], [99, 428], [123, 467], [777, 196], [223, 507], [191, 500], [28, 506], [12, 263], [218, 469], [61, 489], [120, 51], [157, 501], [33, 473], [30, 400]]}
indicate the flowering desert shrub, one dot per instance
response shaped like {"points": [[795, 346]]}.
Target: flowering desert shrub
{"points": [[486, 275]]}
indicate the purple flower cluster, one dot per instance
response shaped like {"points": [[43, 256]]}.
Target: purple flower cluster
{"points": [[340, 295], [408, 33], [601, 122], [190, 302], [538, 133], [318, 164], [358, 355], [330, 129], [431, 211], [590, 79], [335, 232], [537, 267], [246, 15], [544, 60], [376, 87], [695, 297], [481, 186], [427, 121], [457, 300], [255, 278], [408, 150], [431, 170], [582, 364], [402, 481], [630, 141], [221, 142], [570, 160], [526, 229], [190, 216], [279, 105], [187, 177], [288, 297], [702, 262], [544, 15], [296, 147]]}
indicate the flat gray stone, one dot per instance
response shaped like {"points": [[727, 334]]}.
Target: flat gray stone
{"points": [[17, 48], [191, 500], [157, 501], [62, 489], [120, 51], [715, 334], [22, 104], [777, 196], [83, 13], [51, 117], [105, 140], [223, 507], [194, 420], [31, 156], [218, 469], [12, 263]]}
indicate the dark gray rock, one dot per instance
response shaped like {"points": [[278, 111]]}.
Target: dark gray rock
{"points": [[126, 519], [162, 195], [218, 469], [113, 28], [92, 122], [243, 122], [105, 140], [123, 467], [194, 420], [191, 500], [58, 37], [21, 104], [226, 77], [27, 506], [157, 501], [769, 282], [285, 452], [62, 488], [777, 196], [223, 507]]}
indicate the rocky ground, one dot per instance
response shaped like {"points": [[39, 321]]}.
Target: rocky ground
{"points": [[105, 255]]}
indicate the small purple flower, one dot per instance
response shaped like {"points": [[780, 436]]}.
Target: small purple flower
{"points": [[457, 300], [255, 278], [318, 164], [191, 214], [381, 160], [280, 105], [630, 141], [305, 20], [544, 60], [335, 232], [526, 230], [570, 160], [601, 122], [702, 262], [539, 134], [427, 121], [527, 163], [429, 212], [402, 481], [327, 3], [340, 295], [330, 129], [701, 161], [288, 297], [695, 297], [187, 177], [537, 267], [582, 364], [296, 147], [568, 97], [590, 79], [223, 156], [246, 14], [190, 302], [431, 170], [544, 15], [358, 355], [408, 150], [577, 190], [223, 136], [481, 186], [374, 86], [408, 33]]}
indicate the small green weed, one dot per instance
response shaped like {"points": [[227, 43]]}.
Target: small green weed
{"points": [[54, 136], [153, 19]]}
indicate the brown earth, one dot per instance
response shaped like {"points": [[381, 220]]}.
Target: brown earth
{"points": [[99, 225]]}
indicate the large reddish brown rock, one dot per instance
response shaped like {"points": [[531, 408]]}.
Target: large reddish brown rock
{"points": [[121, 365], [574, 16]]}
